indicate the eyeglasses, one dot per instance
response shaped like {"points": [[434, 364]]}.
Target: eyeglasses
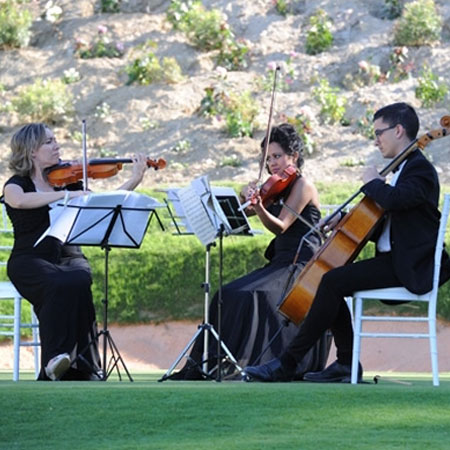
{"points": [[378, 133]]}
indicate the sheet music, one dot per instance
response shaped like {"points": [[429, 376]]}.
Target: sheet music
{"points": [[180, 221], [85, 220], [202, 209], [215, 213], [197, 216]]}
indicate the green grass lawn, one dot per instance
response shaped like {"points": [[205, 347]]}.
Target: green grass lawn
{"points": [[410, 414]]}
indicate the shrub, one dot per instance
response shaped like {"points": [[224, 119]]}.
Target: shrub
{"points": [[285, 78], [45, 101], [365, 124], [71, 76], [420, 24], [392, 8], [239, 110], [205, 29], [282, 6], [110, 6], [430, 89], [177, 13], [367, 75], [147, 68], [400, 66], [182, 147], [285, 7], [319, 37], [240, 115], [302, 124], [208, 30], [232, 54], [52, 12], [101, 47], [332, 106], [231, 161], [15, 25]]}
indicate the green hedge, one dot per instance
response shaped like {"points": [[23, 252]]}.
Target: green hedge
{"points": [[163, 279]]}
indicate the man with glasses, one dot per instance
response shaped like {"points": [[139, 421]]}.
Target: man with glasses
{"points": [[405, 242]]}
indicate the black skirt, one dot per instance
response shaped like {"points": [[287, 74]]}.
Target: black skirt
{"points": [[59, 288], [251, 326]]}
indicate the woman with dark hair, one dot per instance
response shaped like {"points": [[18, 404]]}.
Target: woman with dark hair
{"points": [[54, 278], [249, 314]]}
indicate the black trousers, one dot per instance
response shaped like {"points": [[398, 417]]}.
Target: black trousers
{"points": [[329, 309]]}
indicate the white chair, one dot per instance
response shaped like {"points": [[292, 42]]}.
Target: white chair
{"points": [[401, 293], [11, 324]]}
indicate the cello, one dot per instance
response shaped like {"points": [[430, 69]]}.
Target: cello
{"points": [[347, 238]]}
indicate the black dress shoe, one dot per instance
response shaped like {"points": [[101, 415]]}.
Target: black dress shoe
{"points": [[334, 373], [271, 371]]}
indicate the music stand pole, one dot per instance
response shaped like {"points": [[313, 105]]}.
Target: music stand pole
{"points": [[107, 338], [206, 286]]}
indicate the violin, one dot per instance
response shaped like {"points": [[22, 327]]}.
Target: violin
{"points": [[276, 184], [68, 172]]}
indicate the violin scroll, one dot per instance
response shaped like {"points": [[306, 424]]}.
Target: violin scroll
{"points": [[445, 121]]}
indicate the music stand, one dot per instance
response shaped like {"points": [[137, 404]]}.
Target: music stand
{"points": [[114, 219], [208, 213]]}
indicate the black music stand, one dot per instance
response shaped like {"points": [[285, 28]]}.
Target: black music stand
{"points": [[209, 213], [115, 219]]}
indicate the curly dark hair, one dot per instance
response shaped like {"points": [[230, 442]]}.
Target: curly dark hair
{"points": [[289, 140]]}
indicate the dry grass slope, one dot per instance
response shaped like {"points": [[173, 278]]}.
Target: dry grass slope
{"points": [[360, 34]]}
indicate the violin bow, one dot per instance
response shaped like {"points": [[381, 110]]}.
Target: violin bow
{"points": [[85, 171], [263, 161], [269, 126]]}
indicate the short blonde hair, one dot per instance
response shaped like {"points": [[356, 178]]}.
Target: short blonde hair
{"points": [[30, 137]]}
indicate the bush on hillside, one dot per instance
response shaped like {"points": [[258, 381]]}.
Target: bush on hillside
{"points": [[15, 23], [431, 89], [44, 101], [420, 24], [147, 68], [319, 37], [208, 30], [332, 106]]}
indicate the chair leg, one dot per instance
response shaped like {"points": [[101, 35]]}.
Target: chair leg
{"points": [[356, 340], [16, 339], [433, 351], [36, 342]]}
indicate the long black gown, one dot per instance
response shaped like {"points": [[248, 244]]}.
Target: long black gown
{"points": [[249, 313], [56, 280]]}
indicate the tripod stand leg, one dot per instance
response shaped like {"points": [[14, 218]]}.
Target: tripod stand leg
{"points": [[183, 353], [114, 360], [227, 351]]}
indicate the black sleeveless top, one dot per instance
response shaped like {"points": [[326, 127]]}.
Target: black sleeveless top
{"points": [[29, 224], [284, 246]]}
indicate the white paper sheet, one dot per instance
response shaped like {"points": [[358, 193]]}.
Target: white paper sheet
{"points": [[85, 220]]}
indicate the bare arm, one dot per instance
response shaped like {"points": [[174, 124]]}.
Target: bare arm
{"points": [[139, 169], [17, 198]]}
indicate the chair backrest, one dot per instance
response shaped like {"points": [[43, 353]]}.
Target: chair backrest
{"points": [[440, 242]]}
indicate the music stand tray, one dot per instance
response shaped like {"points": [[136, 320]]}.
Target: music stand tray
{"points": [[113, 219]]}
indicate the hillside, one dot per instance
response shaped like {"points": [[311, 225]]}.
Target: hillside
{"points": [[161, 119]]}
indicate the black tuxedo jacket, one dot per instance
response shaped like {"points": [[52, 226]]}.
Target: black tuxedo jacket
{"points": [[413, 205]]}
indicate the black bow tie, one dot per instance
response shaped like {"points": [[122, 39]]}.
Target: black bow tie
{"points": [[396, 169]]}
